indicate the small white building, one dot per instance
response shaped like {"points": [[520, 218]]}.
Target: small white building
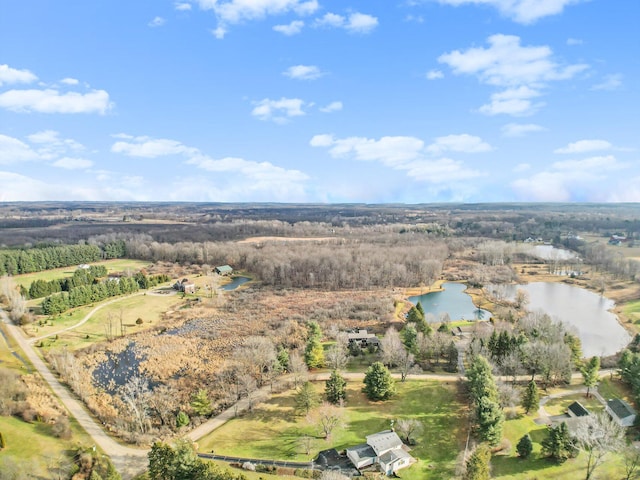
{"points": [[621, 412]]}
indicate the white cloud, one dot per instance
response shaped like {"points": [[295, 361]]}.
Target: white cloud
{"points": [[610, 82], [361, 23], [574, 41], [10, 75], [400, 153], [18, 187], [355, 23], [583, 146], [182, 6], [72, 163], [289, 29], [506, 63], [600, 163], [569, 180], [520, 129], [278, 110], [522, 167], [513, 101], [521, 71], [147, 147], [70, 81], [521, 11], [13, 151], [51, 146], [52, 101], [246, 175], [459, 143], [627, 190], [231, 12], [157, 22], [434, 75], [332, 107], [303, 72]]}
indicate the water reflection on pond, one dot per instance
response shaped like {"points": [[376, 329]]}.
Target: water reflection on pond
{"points": [[235, 283], [587, 312], [453, 301]]}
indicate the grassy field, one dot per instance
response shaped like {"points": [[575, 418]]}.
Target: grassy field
{"points": [[625, 250], [116, 265], [632, 311], [273, 430], [149, 308]]}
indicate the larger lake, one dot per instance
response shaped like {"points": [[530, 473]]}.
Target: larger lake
{"points": [[588, 312], [451, 300]]}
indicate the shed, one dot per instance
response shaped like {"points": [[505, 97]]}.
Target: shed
{"points": [[224, 270], [621, 412], [576, 409]]}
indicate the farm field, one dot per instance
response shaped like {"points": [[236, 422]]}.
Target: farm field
{"points": [[116, 265], [273, 431]]}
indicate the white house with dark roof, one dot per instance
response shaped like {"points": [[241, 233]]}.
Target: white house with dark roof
{"points": [[621, 412], [384, 448]]}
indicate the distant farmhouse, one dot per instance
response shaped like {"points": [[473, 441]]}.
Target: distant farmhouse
{"points": [[617, 239], [223, 270], [185, 286], [621, 412], [383, 448], [363, 338]]}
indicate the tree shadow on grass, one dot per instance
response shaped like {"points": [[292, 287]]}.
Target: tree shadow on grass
{"points": [[503, 465]]}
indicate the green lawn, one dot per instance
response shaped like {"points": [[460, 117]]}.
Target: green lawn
{"points": [[632, 311], [149, 308], [116, 265], [273, 430], [508, 466], [558, 406]]}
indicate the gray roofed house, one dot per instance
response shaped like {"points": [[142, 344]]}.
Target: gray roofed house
{"points": [[363, 338], [384, 448], [621, 412]]}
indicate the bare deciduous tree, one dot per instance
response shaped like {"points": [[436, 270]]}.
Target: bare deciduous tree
{"points": [[327, 417], [596, 436], [407, 428], [135, 395], [297, 368], [336, 357]]}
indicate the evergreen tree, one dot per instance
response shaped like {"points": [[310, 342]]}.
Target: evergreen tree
{"points": [[414, 315], [283, 359], [452, 357], [531, 397], [590, 373], [2, 441], [378, 384], [313, 352], [182, 419], [558, 445], [420, 309], [306, 398], [478, 465], [201, 403], [524, 446], [336, 388], [490, 418], [410, 338]]}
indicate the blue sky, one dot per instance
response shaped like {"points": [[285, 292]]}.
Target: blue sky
{"points": [[320, 100]]}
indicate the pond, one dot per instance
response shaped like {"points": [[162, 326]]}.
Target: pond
{"points": [[235, 283], [453, 301], [588, 312], [118, 368]]}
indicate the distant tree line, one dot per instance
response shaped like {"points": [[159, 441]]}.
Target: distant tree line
{"points": [[96, 292], [15, 262]]}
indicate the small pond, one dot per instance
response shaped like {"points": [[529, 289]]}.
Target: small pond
{"points": [[118, 368], [587, 312], [235, 283], [453, 301]]}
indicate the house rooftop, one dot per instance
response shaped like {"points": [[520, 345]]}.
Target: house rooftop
{"points": [[394, 455], [384, 440], [361, 451], [620, 408], [224, 269], [578, 409]]}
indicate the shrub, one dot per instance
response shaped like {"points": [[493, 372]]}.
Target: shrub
{"points": [[139, 321], [2, 441], [62, 429]]}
